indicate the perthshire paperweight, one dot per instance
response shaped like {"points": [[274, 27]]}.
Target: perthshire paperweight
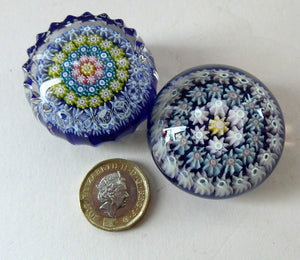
{"points": [[216, 131], [90, 79]]}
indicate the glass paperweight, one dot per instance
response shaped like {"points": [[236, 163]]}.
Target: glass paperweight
{"points": [[90, 79], [216, 131]]}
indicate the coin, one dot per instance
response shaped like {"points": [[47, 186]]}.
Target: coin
{"points": [[114, 195]]}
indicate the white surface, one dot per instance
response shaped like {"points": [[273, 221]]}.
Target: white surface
{"points": [[40, 174]]}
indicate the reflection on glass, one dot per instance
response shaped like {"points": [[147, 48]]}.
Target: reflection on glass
{"points": [[173, 134]]}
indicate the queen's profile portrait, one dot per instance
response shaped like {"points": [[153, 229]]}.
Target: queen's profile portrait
{"points": [[112, 193]]}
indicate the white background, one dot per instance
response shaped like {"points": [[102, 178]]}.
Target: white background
{"points": [[40, 176]]}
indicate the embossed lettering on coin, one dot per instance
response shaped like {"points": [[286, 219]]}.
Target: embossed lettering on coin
{"points": [[114, 194]]}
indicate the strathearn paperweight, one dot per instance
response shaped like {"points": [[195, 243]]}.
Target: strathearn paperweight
{"points": [[90, 79], [216, 131]]}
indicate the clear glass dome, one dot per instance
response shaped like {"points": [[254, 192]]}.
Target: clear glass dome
{"points": [[90, 79], [216, 131]]}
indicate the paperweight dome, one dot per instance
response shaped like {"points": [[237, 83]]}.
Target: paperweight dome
{"points": [[216, 131], [90, 79]]}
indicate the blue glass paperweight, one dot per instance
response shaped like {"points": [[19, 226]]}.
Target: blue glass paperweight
{"points": [[216, 131], [90, 79]]}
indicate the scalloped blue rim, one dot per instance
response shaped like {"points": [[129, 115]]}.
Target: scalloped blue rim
{"points": [[85, 17], [119, 23]]}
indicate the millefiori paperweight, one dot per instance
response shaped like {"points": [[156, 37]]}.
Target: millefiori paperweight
{"points": [[90, 79], [216, 131]]}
